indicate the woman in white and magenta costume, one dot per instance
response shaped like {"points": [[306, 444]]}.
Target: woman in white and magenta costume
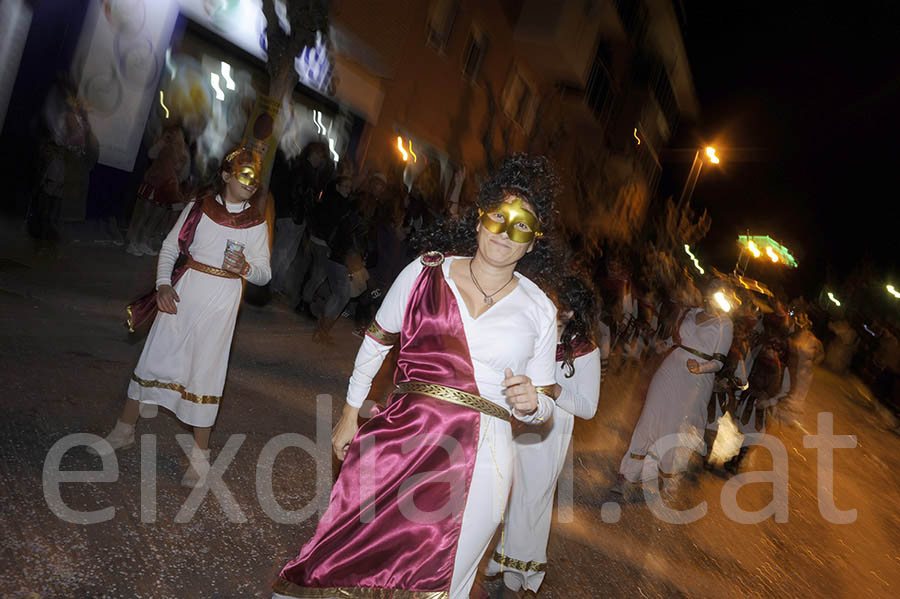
{"points": [[521, 555], [194, 309], [425, 482]]}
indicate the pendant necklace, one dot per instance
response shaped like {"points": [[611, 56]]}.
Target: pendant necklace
{"points": [[488, 299]]}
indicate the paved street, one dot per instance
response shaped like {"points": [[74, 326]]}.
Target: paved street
{"points": [[66, 359]]}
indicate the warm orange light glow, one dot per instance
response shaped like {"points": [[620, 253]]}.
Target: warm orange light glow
{"points": [[636, 136], [711, 153], [753, 249], [402, 151], [415, 158], [771, 254]]}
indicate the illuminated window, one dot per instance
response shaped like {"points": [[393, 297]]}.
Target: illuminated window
{"points": [[476, 48], [440, 22]]}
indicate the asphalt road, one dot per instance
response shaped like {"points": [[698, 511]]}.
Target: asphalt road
{"points": [[66, 360]]}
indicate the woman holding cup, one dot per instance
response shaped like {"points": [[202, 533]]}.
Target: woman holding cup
{"points": [[221, 238]]}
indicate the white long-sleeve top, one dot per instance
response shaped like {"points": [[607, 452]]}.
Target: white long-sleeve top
{"points": [[209, 242], [517, 332], [580, 392]]}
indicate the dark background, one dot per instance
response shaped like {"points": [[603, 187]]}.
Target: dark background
{"points": [[801, 99]]}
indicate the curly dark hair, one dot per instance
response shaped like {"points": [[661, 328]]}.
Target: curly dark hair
{"points": [[576, 294], [531, 177]]}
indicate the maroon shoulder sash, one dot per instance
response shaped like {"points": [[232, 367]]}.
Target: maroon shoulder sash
{"points": [[419, 451], [143, 310], [580, 347]]}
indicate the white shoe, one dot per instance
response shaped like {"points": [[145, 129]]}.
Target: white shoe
{"points": [[121, 437], [147, 250], [134, 250], [198, 468]]}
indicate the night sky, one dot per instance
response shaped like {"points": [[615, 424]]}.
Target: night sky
{"points": [[802, 99]]}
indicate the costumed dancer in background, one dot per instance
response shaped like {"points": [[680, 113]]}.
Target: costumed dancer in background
{"points": [[185, 359], [805, 353], [678, 395], [159, 191], [475, 339], [541, 453], [769, 384]]}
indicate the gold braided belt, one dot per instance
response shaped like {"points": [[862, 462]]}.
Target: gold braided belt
{"points": [[211, 270], [456, 396]]}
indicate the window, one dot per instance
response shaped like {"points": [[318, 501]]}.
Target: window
{"points": [[520, 100], [599, 93], [440, 23], [476, 48]]}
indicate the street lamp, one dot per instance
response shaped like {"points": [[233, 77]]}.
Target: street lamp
{"points": [[696, 166]]}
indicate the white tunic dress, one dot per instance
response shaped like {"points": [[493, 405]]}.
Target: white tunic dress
{"points": [[185, 359], [677, 402], [540, 457], [517, 332]]}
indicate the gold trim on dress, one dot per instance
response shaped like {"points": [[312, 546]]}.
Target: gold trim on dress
{"points": [[380, 335], [286, 587], [455, 396], [130, 321], [635, 456], [211, 270], [515, 564], [201, 399]]}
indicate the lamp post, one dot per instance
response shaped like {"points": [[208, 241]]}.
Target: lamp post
{"points": [[696, 167]]}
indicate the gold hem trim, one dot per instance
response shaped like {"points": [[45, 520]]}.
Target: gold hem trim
{"points": [[515, 564], [635, 456], [193, 397], [454, 396], [380, 335], [286, 587]]}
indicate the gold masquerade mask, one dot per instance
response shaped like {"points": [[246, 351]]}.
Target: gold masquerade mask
{"points": [[511, 216], [245, 167]]}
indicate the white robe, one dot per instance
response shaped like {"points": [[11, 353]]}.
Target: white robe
{"points": [[677, 402], [540, 457], [517, 332], [185, 358]]}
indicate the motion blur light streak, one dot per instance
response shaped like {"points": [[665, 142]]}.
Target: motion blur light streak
{"points": [[753, 249], [415, 158], [162, 103], [711, 152], [226, 73], [214, 81], [170, 65], [317, 120], [402, 151], [636, 136], [687, 249], [834, 299], [893, 291], [333, 152], [722, 301], [771, 253]]}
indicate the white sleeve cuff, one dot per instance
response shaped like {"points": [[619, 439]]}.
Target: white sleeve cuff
{"points": [[543, 413]]}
